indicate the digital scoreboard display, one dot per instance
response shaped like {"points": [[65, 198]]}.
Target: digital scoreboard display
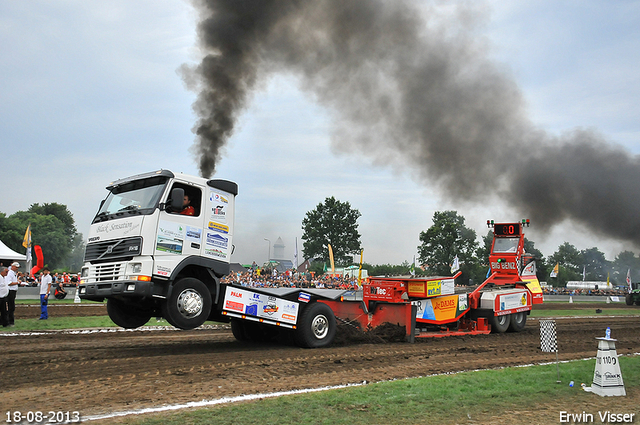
{"points": [[511, 229]]}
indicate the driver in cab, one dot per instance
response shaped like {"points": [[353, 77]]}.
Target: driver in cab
{"points": [[187, 208]]}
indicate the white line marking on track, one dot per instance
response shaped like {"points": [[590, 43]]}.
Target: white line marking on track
{"points": [[107, 330]]}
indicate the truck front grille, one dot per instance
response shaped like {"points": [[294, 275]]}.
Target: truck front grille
{"points": [[107, 272], [119, 249]]}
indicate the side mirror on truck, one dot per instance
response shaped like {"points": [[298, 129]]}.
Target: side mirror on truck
{"points": [[177, 198]]}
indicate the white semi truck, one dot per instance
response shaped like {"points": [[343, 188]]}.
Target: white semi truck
{"points": [[148, 258]]}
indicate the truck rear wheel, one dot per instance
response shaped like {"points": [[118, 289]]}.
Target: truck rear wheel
{"points": [[251, 331], [316, 326], [628, 299], [237, 328], [518, 321], [127, 315], [500, 324], [189, 304]]}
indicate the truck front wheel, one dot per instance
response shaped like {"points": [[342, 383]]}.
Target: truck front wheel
{"points": [[518, 321], [500, 324], [628, 299], [316, 326], [127, 315], [189, 304]]}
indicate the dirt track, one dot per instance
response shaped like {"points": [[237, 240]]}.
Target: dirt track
{"points": [[102, 372]]}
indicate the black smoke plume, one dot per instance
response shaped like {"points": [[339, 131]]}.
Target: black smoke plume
{"points": [[410, 84]]}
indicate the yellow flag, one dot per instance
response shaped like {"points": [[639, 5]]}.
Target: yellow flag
{"points": [[554, 273], [333, 268], [26, 242]]}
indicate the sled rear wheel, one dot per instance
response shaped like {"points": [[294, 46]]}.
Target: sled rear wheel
{"points": [[316, 327], [518, 321], [500, 324]]}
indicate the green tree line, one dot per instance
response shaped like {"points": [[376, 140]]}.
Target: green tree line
{"points": [[53, 228], [335, 222]]}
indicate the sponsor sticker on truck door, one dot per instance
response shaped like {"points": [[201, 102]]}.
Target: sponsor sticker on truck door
{"points": [[170, 237], [219, 207], [216, 243]]}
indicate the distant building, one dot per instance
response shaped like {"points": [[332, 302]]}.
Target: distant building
{"points": [[278, 250], [278, 258], [304, 267]]}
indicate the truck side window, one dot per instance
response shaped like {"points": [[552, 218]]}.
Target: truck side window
{"points": [[192, 202]]}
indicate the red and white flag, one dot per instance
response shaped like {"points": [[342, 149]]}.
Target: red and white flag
{"points": [[629, 279]]}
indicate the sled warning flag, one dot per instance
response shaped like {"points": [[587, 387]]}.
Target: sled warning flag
{"points": [[548, 342]]}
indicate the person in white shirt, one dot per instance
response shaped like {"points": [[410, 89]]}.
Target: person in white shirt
{"points": [[4, 292], [12, 281], [45, 290]]}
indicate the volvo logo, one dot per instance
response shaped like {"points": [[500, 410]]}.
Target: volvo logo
{"points": [[109, 249]]}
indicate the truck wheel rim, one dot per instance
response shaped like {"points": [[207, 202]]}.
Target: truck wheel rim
{"points": [[190, 303], [320, 326], [502, 320]]}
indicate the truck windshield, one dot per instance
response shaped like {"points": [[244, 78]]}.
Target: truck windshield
{"points": [[504, 245], [136, 197]]}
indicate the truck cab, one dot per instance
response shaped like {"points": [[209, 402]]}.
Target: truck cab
{"points": [[148, 255], [508, 261]]}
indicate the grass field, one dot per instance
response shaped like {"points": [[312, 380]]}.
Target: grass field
{"points": [[59, 323], [53, 300], [469, 397]]}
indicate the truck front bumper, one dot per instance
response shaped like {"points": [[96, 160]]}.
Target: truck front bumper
{"points": [[133, 289]]}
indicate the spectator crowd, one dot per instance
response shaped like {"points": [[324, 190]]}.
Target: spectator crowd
{"points": [[271, 278]]}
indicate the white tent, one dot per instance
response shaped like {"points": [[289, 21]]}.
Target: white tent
{"points": [[7, 253]]}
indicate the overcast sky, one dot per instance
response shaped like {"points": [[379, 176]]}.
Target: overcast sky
{"points": [[90, 92]]}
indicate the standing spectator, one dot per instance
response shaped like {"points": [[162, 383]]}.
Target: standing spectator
{"points": [[4, 292], [45, 289], [12, 282]]}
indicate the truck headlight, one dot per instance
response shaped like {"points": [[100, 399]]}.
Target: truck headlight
{"points": [[85, 272], [135, 268]]}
